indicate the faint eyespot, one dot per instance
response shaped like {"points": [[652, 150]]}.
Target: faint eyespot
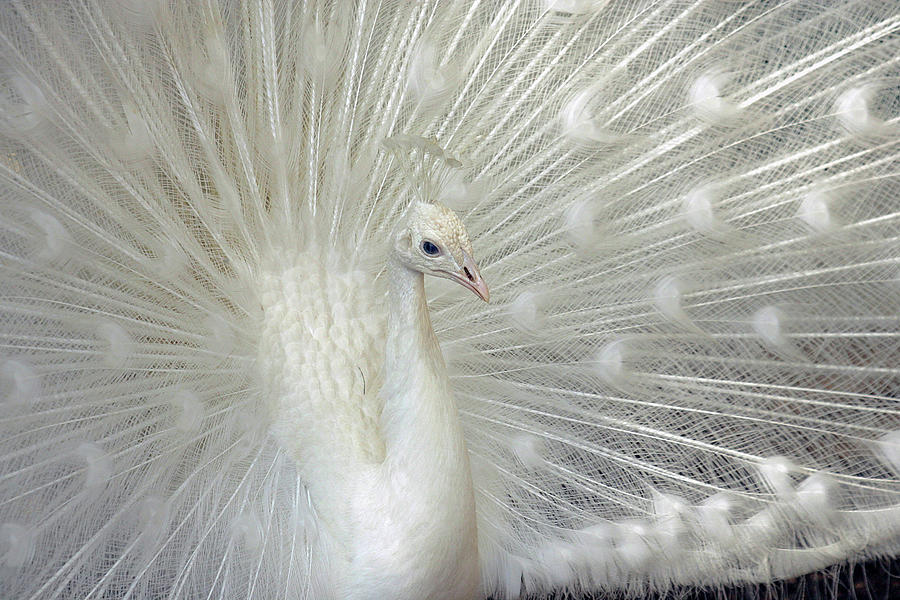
{"points": [[16, 546], [54, 244], [23, 106], [19, 382], [133, 141], [247, 529], [432, 78], [575, 7], [707, 97], [860, 110], [98, 465], [714, 518], [816, 211], [430, 248], [115, 345], [776, 472], [527, 311], [816, 498], [529, 449], [189, 410]]}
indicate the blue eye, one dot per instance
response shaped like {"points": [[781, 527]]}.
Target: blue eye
{"points": [[430, 249]]}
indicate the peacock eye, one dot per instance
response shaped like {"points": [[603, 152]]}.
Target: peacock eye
{"points": [[430, 248]]}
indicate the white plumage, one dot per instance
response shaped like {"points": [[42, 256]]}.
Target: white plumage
{"points": [[218, 377]]}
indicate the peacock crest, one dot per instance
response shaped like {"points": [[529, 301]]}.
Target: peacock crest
{"points": [[423, 163]]}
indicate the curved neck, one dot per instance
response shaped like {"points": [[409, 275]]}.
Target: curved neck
{"points": [[420, 420]]}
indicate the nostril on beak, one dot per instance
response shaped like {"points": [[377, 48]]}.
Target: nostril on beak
{"points": [[468, 274]]}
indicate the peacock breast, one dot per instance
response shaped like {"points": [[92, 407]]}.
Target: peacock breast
{"points": [[412, 540], [319, 360]]}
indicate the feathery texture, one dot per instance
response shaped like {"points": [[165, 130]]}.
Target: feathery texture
{"points": [[688, 213]]}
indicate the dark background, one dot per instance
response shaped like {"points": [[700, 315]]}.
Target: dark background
{"points": [[872, 580]]}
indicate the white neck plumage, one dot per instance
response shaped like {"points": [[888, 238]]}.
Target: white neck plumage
{"points": [[426, 485], [420, 422]]}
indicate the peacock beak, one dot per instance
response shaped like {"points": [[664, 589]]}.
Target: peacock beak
{"points": [[469, 276]]}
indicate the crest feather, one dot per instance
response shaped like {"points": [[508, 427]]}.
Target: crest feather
{"points": [[427, 166]]}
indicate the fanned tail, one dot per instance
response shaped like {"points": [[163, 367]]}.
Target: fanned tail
{"points": [[687, 213]]}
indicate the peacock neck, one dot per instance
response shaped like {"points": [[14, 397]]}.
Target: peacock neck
{"points": [[420, 421], [414, 533]]}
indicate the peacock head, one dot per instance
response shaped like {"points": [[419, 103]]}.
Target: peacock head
{"points": [[434, 242]]}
